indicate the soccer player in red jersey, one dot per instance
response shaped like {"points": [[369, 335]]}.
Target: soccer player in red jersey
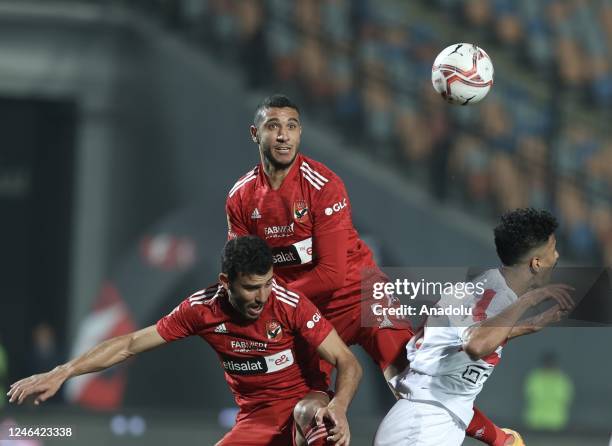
{"points": [[302, 210], [260, 330]]}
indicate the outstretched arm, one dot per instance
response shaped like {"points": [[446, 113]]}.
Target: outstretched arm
{"points": [[349, 372], [100, 357], [483, 339], [537, 323]]}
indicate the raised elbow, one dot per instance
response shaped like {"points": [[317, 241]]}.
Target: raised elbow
{"points": [[475, 349]]}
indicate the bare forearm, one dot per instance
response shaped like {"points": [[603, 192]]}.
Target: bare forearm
{"points": [[347, 381], [521, 331], [100, 357], [485, 338], [527, 326]]}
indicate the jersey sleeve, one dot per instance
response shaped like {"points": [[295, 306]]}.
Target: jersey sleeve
{"points": [[309, 323], [181, 322], [236, 225], [330, 271], [483, 307], [332, 210]]}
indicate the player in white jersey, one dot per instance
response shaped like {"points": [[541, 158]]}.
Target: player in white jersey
{"points": [[452, 357]]}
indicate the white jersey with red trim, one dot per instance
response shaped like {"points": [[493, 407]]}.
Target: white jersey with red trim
{"points": [[440, 371]]}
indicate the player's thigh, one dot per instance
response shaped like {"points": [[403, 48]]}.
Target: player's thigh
{"points": [[271, 425], [411, 423], [304, 425]]}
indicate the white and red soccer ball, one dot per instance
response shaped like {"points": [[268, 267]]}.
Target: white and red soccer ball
{"points": [[462, 74]]}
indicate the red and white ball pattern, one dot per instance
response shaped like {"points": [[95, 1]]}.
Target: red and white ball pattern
{"points": [[462, 74]]}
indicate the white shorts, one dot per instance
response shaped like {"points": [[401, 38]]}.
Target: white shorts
{"points": [[415, 423]]}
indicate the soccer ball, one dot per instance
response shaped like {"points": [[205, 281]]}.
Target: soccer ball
{"points": [[462, 74]]}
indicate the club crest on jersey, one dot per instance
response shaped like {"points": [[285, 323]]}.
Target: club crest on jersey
{"points": [[274, 331], [300, 210]]}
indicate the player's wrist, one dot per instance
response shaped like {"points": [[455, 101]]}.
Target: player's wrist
{"points": [[65, 371], [338, 405]]}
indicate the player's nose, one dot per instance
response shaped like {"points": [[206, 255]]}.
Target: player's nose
{"points": [[262, 296], [282, 134]]}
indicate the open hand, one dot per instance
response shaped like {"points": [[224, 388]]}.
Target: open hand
{"points": [[42, 386], [558, 291]]}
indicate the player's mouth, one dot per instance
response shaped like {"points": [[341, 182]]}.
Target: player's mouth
{"points": [[255, 310], [283, 150]]}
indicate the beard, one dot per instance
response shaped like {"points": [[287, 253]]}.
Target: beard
{"points": [[276, 164]]}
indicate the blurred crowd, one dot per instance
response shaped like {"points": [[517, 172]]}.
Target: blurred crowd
{"points": [[364, 66]]}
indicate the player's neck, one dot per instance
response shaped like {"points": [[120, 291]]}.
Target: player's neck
{"points": [[516, 279], [275, 175]]}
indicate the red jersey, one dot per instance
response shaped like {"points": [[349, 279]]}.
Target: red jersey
{"points": [[310, 205], [263, 359]]}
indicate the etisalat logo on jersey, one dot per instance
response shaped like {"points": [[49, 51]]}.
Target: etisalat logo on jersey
{"points": [[274, 331], [300, 210]]}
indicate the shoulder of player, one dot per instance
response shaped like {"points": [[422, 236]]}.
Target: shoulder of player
{"points": [[245, 179], [317, 175], [206, 298], [284, 296]]}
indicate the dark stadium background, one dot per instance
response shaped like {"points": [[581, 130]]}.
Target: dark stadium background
{"points": [[123, 124]]}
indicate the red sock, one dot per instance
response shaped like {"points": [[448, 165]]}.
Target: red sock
{"points": [[316, 436], [483, 429]]}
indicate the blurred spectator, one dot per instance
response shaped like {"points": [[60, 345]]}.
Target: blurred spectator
{"points": [[253, 52], [574, 219], [548, 395], [3, 374], [45, 351], [470, 161], [533, 164]]}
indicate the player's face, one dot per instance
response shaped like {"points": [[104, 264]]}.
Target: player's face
{"points": [[278, 136], [547, 257], [248, 293]]}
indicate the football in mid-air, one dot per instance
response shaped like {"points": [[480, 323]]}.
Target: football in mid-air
{"points": [[462, 73]]}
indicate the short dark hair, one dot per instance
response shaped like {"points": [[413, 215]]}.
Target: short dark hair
{"points": [[274, 101], [522, 230], [246, 255]]}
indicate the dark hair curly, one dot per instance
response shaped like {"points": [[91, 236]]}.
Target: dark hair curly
{"points": [[522, 230], [274, 101], [245, 255]]}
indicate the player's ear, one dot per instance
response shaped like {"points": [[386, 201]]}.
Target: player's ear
{"points": [[534, 265], [254, 135], [224, 280]]}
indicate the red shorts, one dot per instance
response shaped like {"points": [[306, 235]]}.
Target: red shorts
{"points": [[269, 424]]}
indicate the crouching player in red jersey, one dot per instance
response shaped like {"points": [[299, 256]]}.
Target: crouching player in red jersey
{"points": [[260, 329], [302, 210]]}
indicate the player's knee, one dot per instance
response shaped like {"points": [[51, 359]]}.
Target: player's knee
{"points": [[304, 412]]}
